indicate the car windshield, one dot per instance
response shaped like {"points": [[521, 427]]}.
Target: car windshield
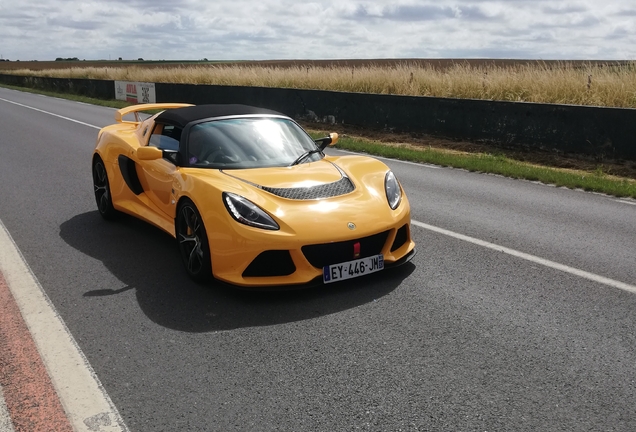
{"points": [[252, 142]]}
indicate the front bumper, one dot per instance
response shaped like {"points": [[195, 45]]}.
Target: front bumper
{"points": [[289, 262]]}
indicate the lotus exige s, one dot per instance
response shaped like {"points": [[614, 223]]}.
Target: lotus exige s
{"points": [[250, 197]]}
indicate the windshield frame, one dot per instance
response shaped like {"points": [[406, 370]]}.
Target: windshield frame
{"points": [[185, 138]]}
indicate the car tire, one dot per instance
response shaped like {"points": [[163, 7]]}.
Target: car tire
{"points": [[101, 186], [192, 240]]}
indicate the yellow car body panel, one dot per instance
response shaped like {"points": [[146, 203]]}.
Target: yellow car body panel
{"points": [[162, 185]]}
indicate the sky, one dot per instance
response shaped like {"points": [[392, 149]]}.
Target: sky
{"points": [[337, 29]]}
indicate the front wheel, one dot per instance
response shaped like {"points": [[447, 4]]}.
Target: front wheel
{"points": [[102, 190], [193, 242]]}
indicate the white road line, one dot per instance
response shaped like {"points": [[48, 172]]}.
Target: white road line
{"points": [[50, 113], [5, 420], [85, 401], [627, 202], [532, 258], [425, 165]]}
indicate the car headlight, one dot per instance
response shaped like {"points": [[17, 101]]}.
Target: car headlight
{"points": [[393, 191], [248, 213]]}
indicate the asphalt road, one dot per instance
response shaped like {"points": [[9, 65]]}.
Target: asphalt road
{"points": [[464, 338]]}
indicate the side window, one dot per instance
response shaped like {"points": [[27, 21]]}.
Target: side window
{"points": [[165, 137]]}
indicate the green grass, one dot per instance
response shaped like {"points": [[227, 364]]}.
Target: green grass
{"points": [[78, 98], [495, 164], [593, 181]]}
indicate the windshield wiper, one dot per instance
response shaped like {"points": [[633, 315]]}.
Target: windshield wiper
{"points": [[304, 156], [321, 143]]}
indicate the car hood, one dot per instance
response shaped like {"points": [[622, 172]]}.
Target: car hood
{"points": [[306, 198], [305, 175]]}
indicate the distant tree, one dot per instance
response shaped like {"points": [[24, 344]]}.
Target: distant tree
{"points": [[140, 59], [119, 58]]}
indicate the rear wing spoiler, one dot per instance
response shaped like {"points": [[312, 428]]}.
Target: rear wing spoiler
{"points": [[135, 109]]}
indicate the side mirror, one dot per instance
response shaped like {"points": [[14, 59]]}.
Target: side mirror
{"points": [[149, 153], [331, 140]]}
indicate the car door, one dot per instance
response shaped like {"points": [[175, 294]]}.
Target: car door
{"points": [[157, 177]]}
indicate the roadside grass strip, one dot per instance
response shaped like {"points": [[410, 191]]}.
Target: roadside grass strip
{"points": [[495, 164], [77, 98]]}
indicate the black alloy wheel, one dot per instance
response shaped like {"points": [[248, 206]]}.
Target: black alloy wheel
{"points": [[102, 190], [193, 242]]}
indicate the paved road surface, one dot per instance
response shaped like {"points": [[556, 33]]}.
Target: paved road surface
{"points": [[466, 338]]}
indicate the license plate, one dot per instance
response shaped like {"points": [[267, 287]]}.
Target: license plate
{"points": [[352, 269]]}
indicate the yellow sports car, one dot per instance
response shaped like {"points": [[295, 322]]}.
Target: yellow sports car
{"points": [[250, 197]]}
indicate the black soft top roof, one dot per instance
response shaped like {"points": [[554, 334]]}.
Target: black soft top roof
{"points": [[182, 116]]}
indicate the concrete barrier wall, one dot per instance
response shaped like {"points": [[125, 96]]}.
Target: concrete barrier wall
{"points": [[596, 131], [99, 89]]}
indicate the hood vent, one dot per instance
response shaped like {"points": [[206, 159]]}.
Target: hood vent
{"points": [[329, 190], [339, 187]]}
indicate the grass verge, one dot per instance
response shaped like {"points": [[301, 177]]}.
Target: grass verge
{"points": [[593, 181], [77, 98]]}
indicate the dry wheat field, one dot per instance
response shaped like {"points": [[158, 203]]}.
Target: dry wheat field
{"points": [[596, 83]]}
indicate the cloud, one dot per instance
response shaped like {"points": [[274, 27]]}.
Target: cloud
{"points": [[279, 29], [626, 12], [73, 24], [415, 13], [406, 13], [563, 9]]}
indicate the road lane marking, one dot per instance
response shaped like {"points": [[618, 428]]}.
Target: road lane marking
{"points": [[87, 405], [50, 113], [627, 202], [419, 164], [541, 261], [422, 164]]}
